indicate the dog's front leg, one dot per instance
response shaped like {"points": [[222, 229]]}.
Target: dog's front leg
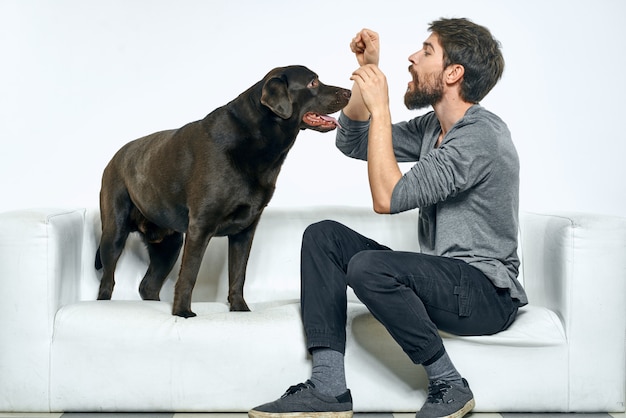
{"points": [[196, 241], [238, 253]]}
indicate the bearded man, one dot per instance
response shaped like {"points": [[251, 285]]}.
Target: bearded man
{"points": [[465, 182]]}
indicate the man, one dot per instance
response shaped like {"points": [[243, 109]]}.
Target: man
{"points": [[465, 182]]}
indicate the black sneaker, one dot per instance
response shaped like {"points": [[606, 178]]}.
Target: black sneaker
{"points": [[446, 400], [303, 400]]}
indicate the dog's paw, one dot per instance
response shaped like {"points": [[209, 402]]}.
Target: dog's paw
{"points": [[237, 302], [105, 294], [105, 291], [239, 306], [184, 313], [148, 294]]}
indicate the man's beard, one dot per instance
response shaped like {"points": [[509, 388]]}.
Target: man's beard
{"points": [[424, 96]]}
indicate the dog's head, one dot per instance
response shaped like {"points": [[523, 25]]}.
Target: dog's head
{"points": [[296, 92]]}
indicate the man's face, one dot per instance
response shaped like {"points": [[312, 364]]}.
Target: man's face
{"points": [[426, 88]]}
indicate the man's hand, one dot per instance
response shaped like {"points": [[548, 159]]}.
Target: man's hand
{"points": [[365, 46], [374, 90]]}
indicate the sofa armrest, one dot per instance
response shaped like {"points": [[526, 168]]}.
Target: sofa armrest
{"points": [[40, 269], [575, 264]]}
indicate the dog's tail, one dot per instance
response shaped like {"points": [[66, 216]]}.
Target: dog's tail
{"points": [[98, 263]]}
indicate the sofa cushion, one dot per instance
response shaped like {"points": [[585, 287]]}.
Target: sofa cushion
{"points": [[97, 342]]}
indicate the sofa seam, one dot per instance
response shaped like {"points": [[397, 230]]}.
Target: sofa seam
{"points": [[572, 236], [49, 290]]}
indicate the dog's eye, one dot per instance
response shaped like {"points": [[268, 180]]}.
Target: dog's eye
{"points": [[313, 84]]}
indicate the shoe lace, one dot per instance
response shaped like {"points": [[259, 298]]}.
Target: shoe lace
{"points": [[437, 390], [297, 388]]}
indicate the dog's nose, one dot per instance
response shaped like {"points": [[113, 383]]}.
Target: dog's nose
{"points": [[346, 94]]}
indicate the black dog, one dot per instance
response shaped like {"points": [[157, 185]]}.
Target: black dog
{"points": [[212, 177]]}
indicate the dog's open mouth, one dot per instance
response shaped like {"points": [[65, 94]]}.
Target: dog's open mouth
{"points": [[320, 122]]}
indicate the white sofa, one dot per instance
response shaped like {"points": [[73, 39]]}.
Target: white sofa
{"points": [[61, 350]]}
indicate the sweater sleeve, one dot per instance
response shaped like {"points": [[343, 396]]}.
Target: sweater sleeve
{"points": [[351, 138], [407, 137]]}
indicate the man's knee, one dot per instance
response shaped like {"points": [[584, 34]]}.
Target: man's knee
{"points": [[320, 228], [319, 238], [322, 232], [364, 270]]}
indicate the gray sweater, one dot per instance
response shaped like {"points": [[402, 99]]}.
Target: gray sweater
{"points": [[467, 189]]}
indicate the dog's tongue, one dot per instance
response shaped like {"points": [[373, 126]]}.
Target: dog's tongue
{"points": [[331, 120]]}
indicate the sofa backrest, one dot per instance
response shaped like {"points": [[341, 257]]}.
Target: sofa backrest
{"points": [[274, 264]]}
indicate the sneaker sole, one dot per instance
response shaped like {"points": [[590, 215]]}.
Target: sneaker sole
{"points": [[261, 414], [463, 411]]}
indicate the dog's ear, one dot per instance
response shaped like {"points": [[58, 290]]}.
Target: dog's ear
{"points": [[275, 95]]}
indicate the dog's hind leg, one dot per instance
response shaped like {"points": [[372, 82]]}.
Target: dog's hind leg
{"points": [[115, 207], [114, 235], [163, 256]]}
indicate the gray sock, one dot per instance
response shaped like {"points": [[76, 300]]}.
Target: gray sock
{"points": [[443, 369], [328, 375]]}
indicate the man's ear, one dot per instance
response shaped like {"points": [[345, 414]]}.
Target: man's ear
{"points": [[454, 73], [275, 95]]}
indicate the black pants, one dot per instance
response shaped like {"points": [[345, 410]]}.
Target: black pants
{"points": [[411, 294]]}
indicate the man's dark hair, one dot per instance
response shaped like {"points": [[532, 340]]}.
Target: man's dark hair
{"points": [[473, 47]]}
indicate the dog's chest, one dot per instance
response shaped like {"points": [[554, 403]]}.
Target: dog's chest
{"points": [[238, 218], [230, 203]]}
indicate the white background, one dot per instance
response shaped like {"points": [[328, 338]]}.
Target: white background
{"points": [[79, 78]]}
